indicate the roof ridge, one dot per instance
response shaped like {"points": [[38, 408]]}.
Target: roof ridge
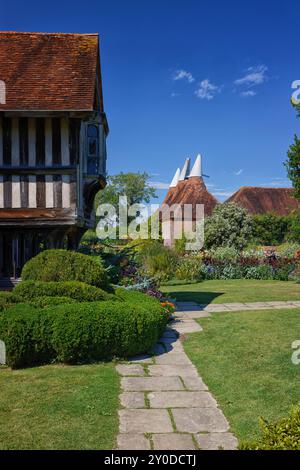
{"points": [[49, 34]]}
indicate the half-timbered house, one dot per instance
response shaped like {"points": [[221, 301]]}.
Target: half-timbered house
{"points": [[53, 133]]}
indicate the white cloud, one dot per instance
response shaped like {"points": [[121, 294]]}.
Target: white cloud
{"points": [[254, 76], [159, 185], [207, 90], [223, 193], [248, 93], [239, 172], [183, 75], [174, 95]]}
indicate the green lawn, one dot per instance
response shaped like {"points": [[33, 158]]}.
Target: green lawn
{"points": [[245, 359], [59, 407], [237, 290]]}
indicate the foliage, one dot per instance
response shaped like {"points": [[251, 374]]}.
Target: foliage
{"points": [[225, 253], [6, 300], [293, 233], [283, 434], [169, 309], [288, 250], [47, 301], [158, 260], [63, 265], [229, 225], [133, 185], [270, 229], [293, 165], [85, 332], [30, 290], [189, 268]]}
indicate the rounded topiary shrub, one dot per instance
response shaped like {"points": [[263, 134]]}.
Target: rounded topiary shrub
{"points": [[79, 291], [76, 333], [47, 301], [64, 265]]}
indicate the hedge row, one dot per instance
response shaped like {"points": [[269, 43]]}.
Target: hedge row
{"points": [[81, 332], [79, 291], [63, 265]]}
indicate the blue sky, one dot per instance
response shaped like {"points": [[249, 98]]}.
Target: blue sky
{"points": [[183, 77]]}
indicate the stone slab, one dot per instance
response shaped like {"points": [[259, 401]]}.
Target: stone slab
{"points": [[145, 421], [130, 369], [196, 420], [179, 358], [198, 399], [133, 399], [167, 370], [194, 383], [133, 442], [217, 440], [137, 384], [216, 308], [173, 442], [198, 314]]}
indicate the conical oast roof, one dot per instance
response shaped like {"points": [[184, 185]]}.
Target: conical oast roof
{"points": [[193, 191]]}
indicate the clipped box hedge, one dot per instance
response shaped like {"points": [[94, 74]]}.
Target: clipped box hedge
{"points": [[79, 291], [81, 332], [64, 265]]}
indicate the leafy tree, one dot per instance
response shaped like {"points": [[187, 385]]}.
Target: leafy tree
{"points": [[293, 162], [133, 185], [293, 165], [229, 225]]}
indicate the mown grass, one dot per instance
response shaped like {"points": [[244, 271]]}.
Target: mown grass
{"points": [[59, 407], [245, 359], [237, 290]]}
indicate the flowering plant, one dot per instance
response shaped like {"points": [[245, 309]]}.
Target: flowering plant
{"points": [[168, 309]]}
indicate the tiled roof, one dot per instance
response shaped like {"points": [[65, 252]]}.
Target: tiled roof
{"points": [[191, 191], [262, 200], [52, 71]]}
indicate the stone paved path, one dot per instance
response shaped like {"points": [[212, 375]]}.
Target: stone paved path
{"points": [[166, 404]]}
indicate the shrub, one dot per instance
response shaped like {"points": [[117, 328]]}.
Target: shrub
{"points": [[46, 301], [288, 250], [26, 332], [225, 253], [29, 290], [231, 271], [189, 268], [229, 225], [269, 229], [134, 296], [74, 333], [293, 233], [6, 300], [262, 271], [283, 434], [158, 260], [63, 265]]}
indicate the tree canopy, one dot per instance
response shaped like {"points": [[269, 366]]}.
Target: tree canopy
{"points": [[293, 162], [133, 185]]}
